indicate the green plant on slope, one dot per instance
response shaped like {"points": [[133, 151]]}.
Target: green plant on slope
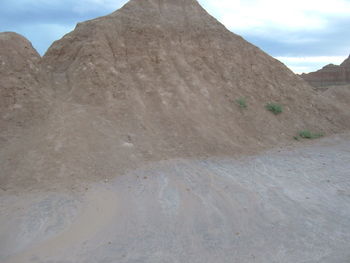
{"points": [[274, 108], [306, 134], [242, 103]]}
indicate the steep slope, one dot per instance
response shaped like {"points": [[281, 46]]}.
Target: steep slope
{"points": [[157, 80], [20, 101], [169, 67], [346, 63], [336, 103], [330, 75]]}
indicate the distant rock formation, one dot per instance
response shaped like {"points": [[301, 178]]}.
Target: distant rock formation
{"points": [[155, 80], [330, 75]]}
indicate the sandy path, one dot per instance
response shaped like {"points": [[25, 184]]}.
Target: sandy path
{"points": [[283, 206], [98, 209]]}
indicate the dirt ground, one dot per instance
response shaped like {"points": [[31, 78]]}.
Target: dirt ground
{"points": [[286, 205]]}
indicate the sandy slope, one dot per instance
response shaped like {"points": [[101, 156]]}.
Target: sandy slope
{"points": [[283, 206], [21, 104]]}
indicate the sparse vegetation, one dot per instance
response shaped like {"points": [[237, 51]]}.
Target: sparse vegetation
{"points": [[274, 108], [242, 103], [306, 134]]}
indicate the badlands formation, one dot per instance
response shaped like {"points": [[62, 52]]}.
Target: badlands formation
{"points": [[330, 75], [120, 144], [333, 82], [155, 80]]}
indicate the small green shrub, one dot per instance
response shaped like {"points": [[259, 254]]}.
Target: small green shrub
{"points": [[310, 135], [242, 103], [274, 108]]}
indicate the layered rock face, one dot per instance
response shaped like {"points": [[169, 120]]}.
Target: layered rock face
{"points": [[330, 75], [155, 80]]}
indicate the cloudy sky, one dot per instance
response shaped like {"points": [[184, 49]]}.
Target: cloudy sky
{"points": [[303, 34]]}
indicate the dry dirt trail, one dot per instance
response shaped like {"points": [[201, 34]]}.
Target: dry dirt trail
{"points": [[284, 206]]}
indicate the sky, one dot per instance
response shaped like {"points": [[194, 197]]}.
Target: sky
{"points": [[304, 34]]}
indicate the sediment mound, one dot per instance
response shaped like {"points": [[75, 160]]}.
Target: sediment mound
{"points": [[330, 75], [336, 103], [20, 101], [156, 80]]}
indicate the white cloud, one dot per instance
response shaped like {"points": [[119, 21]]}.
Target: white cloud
{"points": [[288, 27], [318, 59], [261, 16], [308, 64], [301, 69]]}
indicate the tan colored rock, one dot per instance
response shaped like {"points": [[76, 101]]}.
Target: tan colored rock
{"points": [[20, 101], [336, 103]]}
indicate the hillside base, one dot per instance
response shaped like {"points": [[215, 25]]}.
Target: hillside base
{"points": [[290, 205]]}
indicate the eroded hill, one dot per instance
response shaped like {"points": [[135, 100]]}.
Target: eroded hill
{"points": [[154, 80]]}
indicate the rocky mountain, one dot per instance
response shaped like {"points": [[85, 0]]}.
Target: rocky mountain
{"points": [[330, 75], [152, 81]]}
